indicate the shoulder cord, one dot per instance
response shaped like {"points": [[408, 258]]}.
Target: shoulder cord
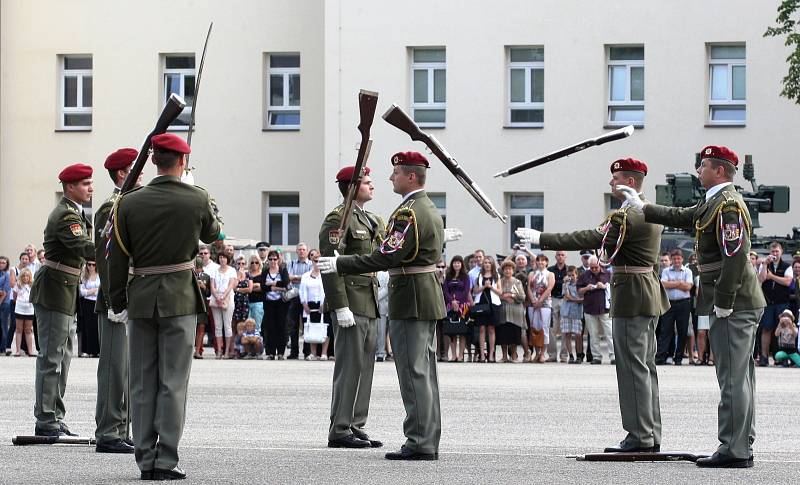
{"points": [[605, 229]]}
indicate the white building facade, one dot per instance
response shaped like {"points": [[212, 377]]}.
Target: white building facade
{"points": [[497, 83]]}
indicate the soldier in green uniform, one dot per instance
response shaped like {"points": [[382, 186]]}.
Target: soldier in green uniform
{"points": [[155, 234], [353, 301], [111, 412], [729, 294], [67, 242], [637, 300], [410, 251]]}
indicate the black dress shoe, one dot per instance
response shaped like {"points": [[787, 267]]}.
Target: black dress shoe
{"points": [[628, 447], [48, 432], [128, 441], [406, 454], [175, 474], [147, 475], [363, 436], [719, 460], [349, 441], [113, 446], [65, 429]]}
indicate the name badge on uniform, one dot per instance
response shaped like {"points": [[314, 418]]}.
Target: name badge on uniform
{"points": [[361, 231], [76, 229]]}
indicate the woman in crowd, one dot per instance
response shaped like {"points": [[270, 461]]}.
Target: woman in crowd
{"points": [[223, 281], [241, 293], [273, 328], [571, 315], [511, 323], [23, 312], [487, 291], [5, 304], [442, 340], [88, 331], [540, 284], [13, 273], [794, 288], [456, 292], [256, 295], [312, 297]]}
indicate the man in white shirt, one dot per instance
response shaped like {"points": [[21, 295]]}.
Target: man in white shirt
{"points": [[477, 262], [677, 280]]}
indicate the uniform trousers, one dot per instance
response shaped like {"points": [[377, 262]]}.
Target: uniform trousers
{"points": [[57, 332], [160, 362], [732, 340], [637, 380], [354, 347], [111, 412], [414, 346], [600, 329]]}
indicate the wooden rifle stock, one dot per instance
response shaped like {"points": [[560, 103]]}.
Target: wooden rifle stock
{"points": [[367, 103], [396, 117]]}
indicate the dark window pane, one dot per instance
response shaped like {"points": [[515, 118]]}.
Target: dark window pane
{"points": [[276, 229], [439, 200], [284, 60], [728, 113], [637, 84], [439, 86], [294, 229], [294, 90], [429, 55], [728, 52], [70, 91], [188, 90], [87, 91], [527, 116], [276, 90], [515, 222], [172, 83], [77, 63], [183, 119], [76, 119], [527, 54], [284, 200], [179, 62], [527, 201], [537, 85], [626, 53], [429, 115], [537, 222], [284, 118]]}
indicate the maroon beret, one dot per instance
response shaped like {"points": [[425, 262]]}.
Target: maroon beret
{"points": [[346, 174], [410, 158], [724, 154], [629, 165], [170, 142], [121, 159], [75, 172]]}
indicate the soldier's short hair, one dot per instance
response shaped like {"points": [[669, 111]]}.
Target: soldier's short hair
{"points": [[165, 159], [730, 170], [419, 171], [638, 178]]}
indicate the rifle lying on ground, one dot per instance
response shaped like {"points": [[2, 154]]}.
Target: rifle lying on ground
{"points": [[51, 440], [628, 457], [567, 151], [399, 119], [367, 102]]}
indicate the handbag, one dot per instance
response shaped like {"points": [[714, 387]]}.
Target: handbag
{"points": [[315, 332], [290, 294], [454, 324], [214, 303], [536, 338], [480, 310]]}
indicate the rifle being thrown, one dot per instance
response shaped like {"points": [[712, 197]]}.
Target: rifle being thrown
{"points": [[399, 119], [367, 102]]}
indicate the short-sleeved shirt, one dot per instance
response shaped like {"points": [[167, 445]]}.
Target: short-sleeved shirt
{"points": [[558, 288], [684, 275], [222, 279], [594, 301]]}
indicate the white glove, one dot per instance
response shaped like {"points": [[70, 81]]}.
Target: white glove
{"points": [[631, 196], [452, 234], [722, 312], [528, 236], [327, 264], [344, 317], [121, 317]]}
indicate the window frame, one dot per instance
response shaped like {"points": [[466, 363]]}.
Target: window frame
{"points": [[611, 105], [729, 101], [183, 72], [431, 68], [284, 212], [434, 196], [285, 73], [528, 103], [79, 108], [527, 213]]}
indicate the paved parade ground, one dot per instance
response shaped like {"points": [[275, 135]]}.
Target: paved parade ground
{"points": [[266, 422]]}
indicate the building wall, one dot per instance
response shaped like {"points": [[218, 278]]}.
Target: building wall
{"points": [[347, 45]]}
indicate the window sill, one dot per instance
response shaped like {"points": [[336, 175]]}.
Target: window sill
{"points": [[725, 125], [73, 130], [178, 128], [280, 129], [431, 127], [522, 127], [617, 127]]}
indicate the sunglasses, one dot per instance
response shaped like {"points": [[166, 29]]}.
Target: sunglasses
{"points": [[441, 267], [255, 262], [272, 259], [91, 264], [241, 263]]}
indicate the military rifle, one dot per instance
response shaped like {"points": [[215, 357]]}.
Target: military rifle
{"points": [[367, 102], [399, 119]]}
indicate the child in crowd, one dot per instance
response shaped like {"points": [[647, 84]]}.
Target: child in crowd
{"points": [[238, 348], [787, 339], [571, 313], [23, 313], [251, 341]]}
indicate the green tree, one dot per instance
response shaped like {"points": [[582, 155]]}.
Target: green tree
{"points": [[787, 24]]}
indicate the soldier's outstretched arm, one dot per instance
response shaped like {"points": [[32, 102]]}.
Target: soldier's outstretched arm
{"points": [[571, 241], [680, 217], [72, 235]]}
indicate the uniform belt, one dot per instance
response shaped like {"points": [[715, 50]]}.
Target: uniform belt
{"points": [[62, 267], [165, 269], [403, 270], [369, 275], [708, 268], [624, 269]]}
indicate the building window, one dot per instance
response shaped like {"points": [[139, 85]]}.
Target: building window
{"points": [[283, 92], [76, 92], [440, 201], [179, 78], [283, 219], [428, 86], [612, 203], [626, 85], [525, 210], [727, 85], [525, 86]]}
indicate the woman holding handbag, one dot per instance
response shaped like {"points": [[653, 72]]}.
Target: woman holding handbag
{"points": [[512, 315], [312, 297], [540, 285], [486, 293], [456, 291], [223, 281]]}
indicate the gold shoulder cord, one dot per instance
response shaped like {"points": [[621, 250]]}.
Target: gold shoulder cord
{"points": [[116, 229], [716, 217], [413, 220], [605, 227]]}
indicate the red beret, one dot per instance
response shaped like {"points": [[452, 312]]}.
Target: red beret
{"points": [[75, 172], [346, 174], [629, 165], [410, 158], [121, 159], [170, 142], [724, 154]]}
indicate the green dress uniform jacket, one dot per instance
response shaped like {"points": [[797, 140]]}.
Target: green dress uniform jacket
{"points": [[67, 240], [722, 229], [357, 292], [632, 294], [100, 219], [143, 225], [414, 237]]}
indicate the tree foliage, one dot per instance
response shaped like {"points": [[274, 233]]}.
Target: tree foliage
{"points": [[787, 24]]}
